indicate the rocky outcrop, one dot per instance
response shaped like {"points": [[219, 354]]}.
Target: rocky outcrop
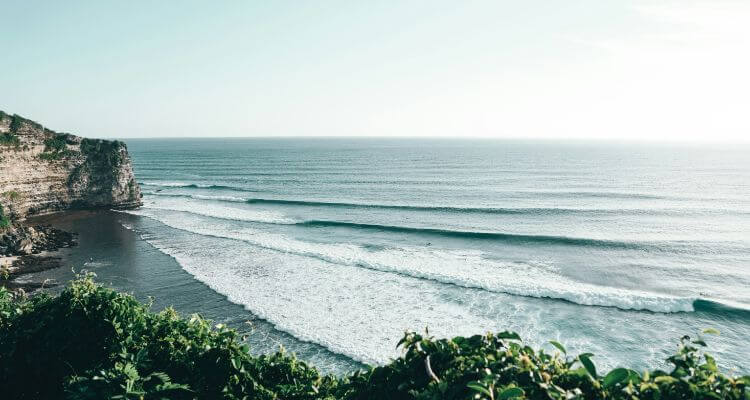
{"points": [[43, 171], [20, 240]]}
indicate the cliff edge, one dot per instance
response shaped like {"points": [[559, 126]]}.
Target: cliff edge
{"points": [[43, 171]]}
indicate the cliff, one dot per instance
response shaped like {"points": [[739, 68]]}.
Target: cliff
{"points": [[43, 171]]}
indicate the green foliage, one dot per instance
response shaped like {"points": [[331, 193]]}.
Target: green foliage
{"points": [[55, 144], [91, 342], [4, 219], [11, 195], [499, 366], [17, 121], [9, 139], [104, 152], [55, 148], [51, 156]]}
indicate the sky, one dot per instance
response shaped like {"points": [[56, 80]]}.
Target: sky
{"points": [[585, 69]]}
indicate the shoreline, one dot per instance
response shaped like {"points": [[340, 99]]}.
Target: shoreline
{"points": [[124, 261]]}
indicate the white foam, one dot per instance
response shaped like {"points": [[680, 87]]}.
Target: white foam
{"points": [[167, 184], [97, 264], [335, 306], [178, 184], [231, 199], [217, 211], [462, 268]]}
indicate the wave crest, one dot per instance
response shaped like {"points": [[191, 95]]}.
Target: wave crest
{"points": [[193, 186]]}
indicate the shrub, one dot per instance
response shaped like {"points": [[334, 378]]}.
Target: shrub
{"points": [[103, 151], [17, 120], [91, 342], [11, 195], [4, 219], [51, 156], [55, 148], [55, 144], [9, 139]]}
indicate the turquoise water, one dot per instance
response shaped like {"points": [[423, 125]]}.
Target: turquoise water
{"points": [[342, 245]]}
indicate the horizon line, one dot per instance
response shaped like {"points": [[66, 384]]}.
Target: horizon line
{"points": [[405, 137]]}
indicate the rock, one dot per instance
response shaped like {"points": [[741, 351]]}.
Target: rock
{"points": [[83, 173], [21, 240], [24, 246]]}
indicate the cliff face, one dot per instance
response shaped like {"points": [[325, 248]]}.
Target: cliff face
{"points": [[42, 171]]}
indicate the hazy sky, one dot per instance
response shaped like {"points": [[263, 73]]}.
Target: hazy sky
{"points": [[555, 69]]}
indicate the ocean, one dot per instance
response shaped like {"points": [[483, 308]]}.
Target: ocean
{"points": [[336, 247]]}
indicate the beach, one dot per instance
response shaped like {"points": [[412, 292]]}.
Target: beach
{"points": [[122, 260]]}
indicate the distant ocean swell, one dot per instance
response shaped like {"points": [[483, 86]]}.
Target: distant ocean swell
{"points": [[269, 217], [507, 237], [448, 209], [468, 270], [574, 194]]}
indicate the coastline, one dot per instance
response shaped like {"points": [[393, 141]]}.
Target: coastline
{"points": [[122, 260]]}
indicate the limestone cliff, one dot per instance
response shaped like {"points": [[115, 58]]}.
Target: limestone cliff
{"points": [[42, 171]]}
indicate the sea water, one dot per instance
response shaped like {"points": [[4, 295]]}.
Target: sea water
{"points": [[618, 249]]}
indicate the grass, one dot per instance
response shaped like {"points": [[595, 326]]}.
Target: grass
{"points": [[91, 342]]}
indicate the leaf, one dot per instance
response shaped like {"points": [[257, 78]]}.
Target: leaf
{"points": [[508, 335], [615, 376], [634, 376], [710, 363], [665, 379], [559, 346], [711, 331], [588, 364], [141, 355], [511, 393], [477, 386]]}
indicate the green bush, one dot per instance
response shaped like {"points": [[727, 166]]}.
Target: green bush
{"points": [[55, 144], [9, 139], [52, 156], [55, 148], [17, 121], [4, 219], [12, 195], [103, 151], [91, 342]]}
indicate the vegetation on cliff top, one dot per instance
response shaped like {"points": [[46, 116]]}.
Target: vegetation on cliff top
{"points": [[91, 342], [10, 138], [56, 147], [106, 151], [56, 144], [16, 121]]}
